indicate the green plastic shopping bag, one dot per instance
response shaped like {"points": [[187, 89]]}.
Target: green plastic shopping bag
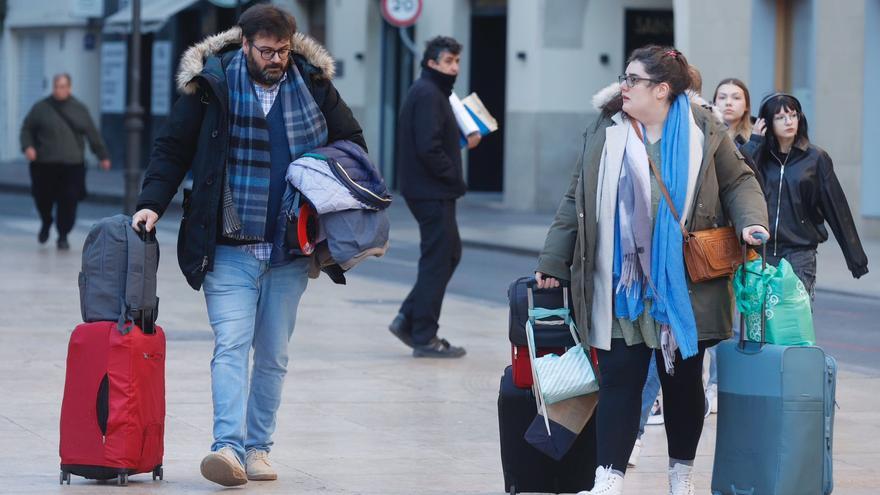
{"points": [[788, 311]]}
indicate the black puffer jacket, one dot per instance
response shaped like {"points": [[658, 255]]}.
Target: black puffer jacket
{"points": [[801, 196], [196, 139], [428, 149]]}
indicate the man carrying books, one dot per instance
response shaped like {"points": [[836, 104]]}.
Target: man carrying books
{"points": [[431, 180]]}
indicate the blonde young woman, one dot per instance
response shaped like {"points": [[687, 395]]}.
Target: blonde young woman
{"points": [[617, 241]]}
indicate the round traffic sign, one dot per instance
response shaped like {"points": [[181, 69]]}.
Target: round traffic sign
{"points": [[401, 13]]}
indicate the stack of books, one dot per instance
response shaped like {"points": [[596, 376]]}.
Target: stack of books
{"points": [[472, 116]]}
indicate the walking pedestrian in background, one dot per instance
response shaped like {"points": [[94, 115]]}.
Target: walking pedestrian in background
{"points": [[431, 180], [732, 98], [52, 139], [803, 194]]}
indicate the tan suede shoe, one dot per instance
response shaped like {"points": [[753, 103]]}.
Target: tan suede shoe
{"points": [[224, 468], [258, 466]]}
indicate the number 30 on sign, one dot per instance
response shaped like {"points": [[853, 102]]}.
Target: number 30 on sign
{"points": [[401, 13]]}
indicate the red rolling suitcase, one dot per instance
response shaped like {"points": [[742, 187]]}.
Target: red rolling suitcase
{"points": [[113, 412]]}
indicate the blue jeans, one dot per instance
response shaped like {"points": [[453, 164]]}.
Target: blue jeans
{"points": [[649, 394], [250, 304]]}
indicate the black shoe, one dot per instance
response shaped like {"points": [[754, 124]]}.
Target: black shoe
{"points": [[43, 236], [63, 245], [438, 348], [402, 329]]}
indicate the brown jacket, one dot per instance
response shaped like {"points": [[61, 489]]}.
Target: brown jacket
{"points": [[726, 193]]}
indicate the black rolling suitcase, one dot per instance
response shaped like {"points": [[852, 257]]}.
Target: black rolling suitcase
{"points": [[526, 469]]}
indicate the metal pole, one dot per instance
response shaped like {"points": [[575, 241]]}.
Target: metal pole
{"points": [[134, 122], [408, 42], [237, 10]]}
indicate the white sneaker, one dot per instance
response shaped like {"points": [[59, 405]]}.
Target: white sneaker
{"points": [[712, 397], [681, 480], [656, 416], [634, 455], [224, 468], [258, 466], [607, 483]]}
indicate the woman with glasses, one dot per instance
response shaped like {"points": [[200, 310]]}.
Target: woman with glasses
{"points": [[802, 194], [617, 240]]}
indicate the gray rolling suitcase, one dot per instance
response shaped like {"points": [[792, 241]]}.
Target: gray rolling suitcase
{"points": [[775, 419]]}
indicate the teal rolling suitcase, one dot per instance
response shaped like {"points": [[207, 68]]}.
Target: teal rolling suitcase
{"points": [[775, 420]]}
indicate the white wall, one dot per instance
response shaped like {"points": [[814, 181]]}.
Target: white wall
{"points": [[838, 103], [870, 162], [564, 79], [354, 27], [346, 37], [549, 93], [715, 37]]}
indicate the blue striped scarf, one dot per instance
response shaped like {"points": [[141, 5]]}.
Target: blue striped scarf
{"points": [[667, 286], [248, 165]]}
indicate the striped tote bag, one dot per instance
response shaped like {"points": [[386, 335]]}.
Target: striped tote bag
{"points": [[557, 378]]}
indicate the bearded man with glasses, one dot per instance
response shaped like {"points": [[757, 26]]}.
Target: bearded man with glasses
{"points": [[254, 99]]}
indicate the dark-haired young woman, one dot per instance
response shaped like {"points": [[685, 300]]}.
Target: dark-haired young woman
{"points": [[619, 243], [802, 194]]}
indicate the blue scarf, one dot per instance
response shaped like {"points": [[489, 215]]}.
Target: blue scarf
{"points": [[248, 165], [667, 287]]}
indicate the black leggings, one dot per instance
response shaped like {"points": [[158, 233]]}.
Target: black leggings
{"points": [[623, 371]]}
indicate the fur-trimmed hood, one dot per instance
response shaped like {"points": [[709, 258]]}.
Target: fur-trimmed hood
{"points": [[608, 101], [193, 59]]}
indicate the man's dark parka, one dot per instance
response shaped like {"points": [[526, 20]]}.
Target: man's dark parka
{"points": [[196, 139]]}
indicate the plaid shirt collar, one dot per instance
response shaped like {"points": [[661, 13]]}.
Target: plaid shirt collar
{"points": [[267, 95]]}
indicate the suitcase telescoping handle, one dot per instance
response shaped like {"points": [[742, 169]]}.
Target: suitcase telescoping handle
{"points": [[531, 287], [144, 235], [742, 318], [146, 319]]}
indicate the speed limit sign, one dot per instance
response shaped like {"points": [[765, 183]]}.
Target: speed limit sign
{"points": [[401, 13]]}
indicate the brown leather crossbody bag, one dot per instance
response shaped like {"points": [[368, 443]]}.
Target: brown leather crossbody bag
{"points": [[708, 254]]}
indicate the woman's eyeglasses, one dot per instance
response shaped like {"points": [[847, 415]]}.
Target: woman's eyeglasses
{"points": [[793, 117], [632, 79]]}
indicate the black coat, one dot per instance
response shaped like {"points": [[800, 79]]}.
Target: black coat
{"points": [[810, 195], [196, 140], [428, 147]]}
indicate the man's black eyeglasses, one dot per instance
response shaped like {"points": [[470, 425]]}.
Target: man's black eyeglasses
{"points": [[632, 80], [269, 53]]}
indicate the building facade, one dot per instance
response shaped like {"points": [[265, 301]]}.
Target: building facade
{"points": [[534, 63], [537, 63]]}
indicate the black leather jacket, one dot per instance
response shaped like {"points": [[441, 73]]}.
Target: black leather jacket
{"points": [[802, 194]]}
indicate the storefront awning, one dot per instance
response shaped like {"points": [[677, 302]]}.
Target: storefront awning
{"points": [[154, 15]]}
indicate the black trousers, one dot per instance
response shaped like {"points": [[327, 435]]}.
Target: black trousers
{"points": [[440, 253], [623, 371], [58, 187], [803, 262]]}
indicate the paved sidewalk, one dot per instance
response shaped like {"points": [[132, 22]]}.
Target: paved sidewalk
{"points": [[486, 223], [359, 415]]}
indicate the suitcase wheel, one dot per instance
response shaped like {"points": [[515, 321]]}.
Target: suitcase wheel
{"points": [[158, 473], [122, 480], [65, 476], [512, 489]]}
